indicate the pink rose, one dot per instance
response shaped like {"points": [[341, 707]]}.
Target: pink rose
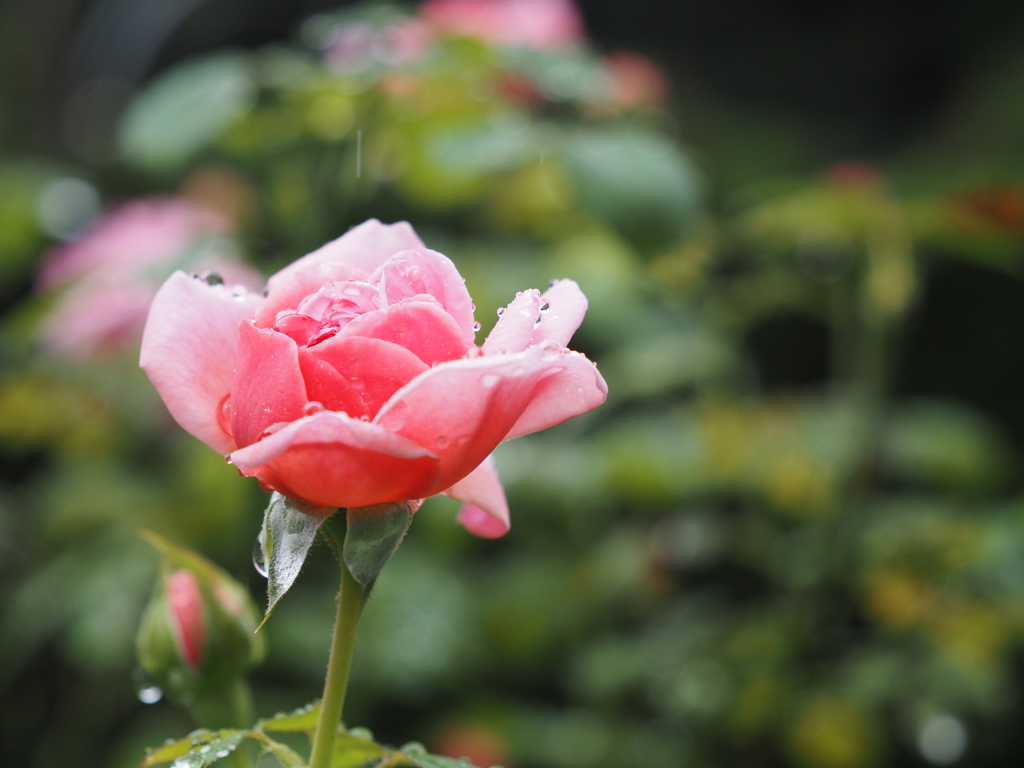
{"points": [[185, 606], [541, 24], [357, 381], [110, 275]]}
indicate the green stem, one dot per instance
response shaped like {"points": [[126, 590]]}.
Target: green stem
{"points": [[350, 604]]}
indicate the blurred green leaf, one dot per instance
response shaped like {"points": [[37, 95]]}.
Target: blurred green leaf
{"points": [[186, 109]]}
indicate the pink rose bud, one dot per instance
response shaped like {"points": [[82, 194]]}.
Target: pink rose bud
{"points": [[185, 604], [541, 24], [197, 633], [636, 81], [356, 380]]}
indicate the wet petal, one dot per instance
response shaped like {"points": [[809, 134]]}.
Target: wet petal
{"points": [[429, 272], [375, 368], [516, 325], [566, 307], [572, 386], [267, 387], [332, 460], [326, 386], [485, 509], [461, 410], [189, 348], [352, 256], [421, 327]]}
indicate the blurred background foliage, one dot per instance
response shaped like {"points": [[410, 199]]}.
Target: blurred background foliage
{"points": [[795, 534]]}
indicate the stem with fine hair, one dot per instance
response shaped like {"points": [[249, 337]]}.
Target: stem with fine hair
{"points": [[350, 603]]}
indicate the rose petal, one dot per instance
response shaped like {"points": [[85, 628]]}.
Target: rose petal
{"points": [[463, 409], [428, 272], [326, 386], [267, 387], [566, 307], [421, 327], [332, 460], [352, 256], [188, 352], [376, 369], [515, 327], [573, 386], [485, 509]]}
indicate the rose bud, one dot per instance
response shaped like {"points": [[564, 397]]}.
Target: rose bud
{"points": [[356, 380], [196, 638]]}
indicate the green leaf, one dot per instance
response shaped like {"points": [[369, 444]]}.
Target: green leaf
{"points": [[289, 530], [373, 535], [302, 720], [417, 755], [285, 755], [197, 750], [186, 109], [353, 752]]}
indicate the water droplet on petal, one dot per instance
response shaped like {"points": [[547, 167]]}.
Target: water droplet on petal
{"points": [[312, 408], [211, 278], [550, 354], [442, 441], [150, 695], [472, 307], [358, 382], [257, 557], [476, 327], [553, 283], [501, 311], [227, 459], [490, 379], [545, 307]]}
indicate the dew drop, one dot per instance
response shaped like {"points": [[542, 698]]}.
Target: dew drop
{"points": [[223, 753], [501, 311], [553, 283], [227, 459], [204, 749], [490, 379], [188, 761], [442, 441], [257, 557], [358, 382], [211, 278], [551, 353], [545, 307], [312, 408], [150, 695], [476, 327], [414, 273], [472, 307]]}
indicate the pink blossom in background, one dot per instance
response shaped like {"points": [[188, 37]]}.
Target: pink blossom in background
{"points": [[635, 80], [541, 24], [357, 381], [109, 276], [359, 45]]}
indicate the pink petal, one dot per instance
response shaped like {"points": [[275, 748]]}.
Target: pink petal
{"points": [[421, 327], [326, 386], [332, 460], [376, 369], [515, 327], [267, 387], [185, 603], [428, 272], [462, 409], [566, 307], [572, 387], [352, 256], [188, 352], [485, 511]]}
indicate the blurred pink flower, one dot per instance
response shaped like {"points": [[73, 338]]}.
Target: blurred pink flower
{"points": [[185, 605], [359, 45], [636, 81], [110, 275], [542, 24]]}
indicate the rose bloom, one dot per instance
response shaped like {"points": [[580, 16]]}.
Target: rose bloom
{"points": [[110, 275], [540, 24], [356, 380]]}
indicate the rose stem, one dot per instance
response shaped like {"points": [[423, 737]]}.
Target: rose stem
{"points": [[350, 604]]}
